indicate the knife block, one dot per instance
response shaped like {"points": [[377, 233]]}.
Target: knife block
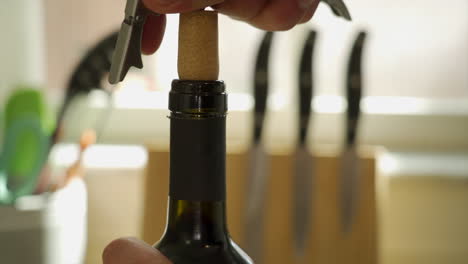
{"points": [[326, 245]]}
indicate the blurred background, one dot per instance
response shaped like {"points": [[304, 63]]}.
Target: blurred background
{"points": [[413, 131]]}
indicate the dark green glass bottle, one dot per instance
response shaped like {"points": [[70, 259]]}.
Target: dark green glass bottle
{"points": [[196, 230]]}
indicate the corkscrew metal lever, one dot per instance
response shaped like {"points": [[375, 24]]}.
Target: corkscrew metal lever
{"points": [[128, 48], [339, 8]]}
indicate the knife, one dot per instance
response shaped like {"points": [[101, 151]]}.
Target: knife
{"points": [[258, 167], [303, 161], [350, 160]]}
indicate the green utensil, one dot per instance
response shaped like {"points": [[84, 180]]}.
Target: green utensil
{"points": [[27, 100], [28, 125], [23, 155]]}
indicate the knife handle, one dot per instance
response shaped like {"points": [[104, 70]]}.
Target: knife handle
{"points": [[354, 88], [261, 84], [305, 83]]}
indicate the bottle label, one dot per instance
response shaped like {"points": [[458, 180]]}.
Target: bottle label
{"points": [[198, 158]]}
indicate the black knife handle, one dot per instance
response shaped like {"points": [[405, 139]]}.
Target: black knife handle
{"points": [[305, 84], [354, 89], [261, 84]]}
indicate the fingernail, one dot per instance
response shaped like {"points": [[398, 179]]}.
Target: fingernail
{"points": [[305, 4]]}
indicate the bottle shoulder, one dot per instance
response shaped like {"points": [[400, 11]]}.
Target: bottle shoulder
{"points": [[194, 252]]}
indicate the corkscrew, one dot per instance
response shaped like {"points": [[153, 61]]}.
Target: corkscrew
{"points": [[339, 8], [128, 48]]}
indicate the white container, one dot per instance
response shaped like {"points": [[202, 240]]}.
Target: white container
{"points": [[45, 229]]}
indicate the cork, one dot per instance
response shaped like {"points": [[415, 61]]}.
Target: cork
{"points": [[198, 46]]}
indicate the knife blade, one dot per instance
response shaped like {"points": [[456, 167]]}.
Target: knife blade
{"points": [[350, 160], [303, 161], [258, 160]]}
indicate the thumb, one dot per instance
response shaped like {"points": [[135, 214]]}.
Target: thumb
{"points": [[178, 6], [132, 251]]}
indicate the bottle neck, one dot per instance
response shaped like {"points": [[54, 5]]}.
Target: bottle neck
{"points": [[197, 186], [197, 220]]}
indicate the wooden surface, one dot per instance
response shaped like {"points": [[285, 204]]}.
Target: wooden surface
{"points": [[114, 208], [326, 245]]}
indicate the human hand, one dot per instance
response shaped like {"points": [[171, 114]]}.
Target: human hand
{"points": [[132, 251], [270, 15]]}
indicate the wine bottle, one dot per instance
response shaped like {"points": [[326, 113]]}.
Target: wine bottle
{"points": [[196, 230]]}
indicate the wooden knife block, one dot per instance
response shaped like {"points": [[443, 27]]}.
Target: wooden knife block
{"points": [[326, 245]]}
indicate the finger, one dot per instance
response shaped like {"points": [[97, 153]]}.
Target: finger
{"points": [[178, 6], [308, 14], [279, 15], [132, 251], [241, 9], [153, 33]]}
